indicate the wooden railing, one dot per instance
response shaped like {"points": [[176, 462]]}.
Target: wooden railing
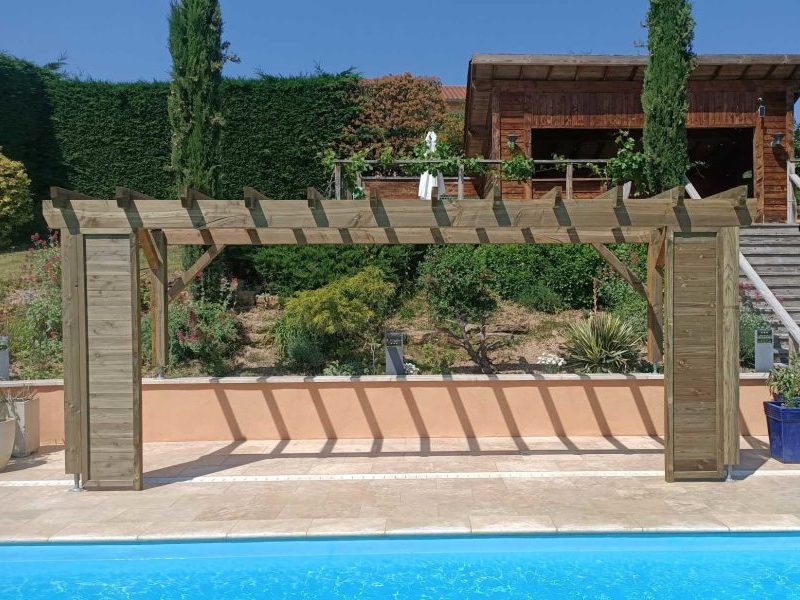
{"points": [[569, 166], [762, 288]]}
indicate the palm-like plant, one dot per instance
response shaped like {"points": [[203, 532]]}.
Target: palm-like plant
{"points": [[602, 344]]}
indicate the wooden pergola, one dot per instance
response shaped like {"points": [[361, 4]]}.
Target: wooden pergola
{"points": [[691, 287]]}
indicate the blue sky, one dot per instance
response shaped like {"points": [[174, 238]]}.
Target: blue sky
{"points": [[124, 40]]}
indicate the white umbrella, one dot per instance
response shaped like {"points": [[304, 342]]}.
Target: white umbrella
{"points": [[427, 181]]}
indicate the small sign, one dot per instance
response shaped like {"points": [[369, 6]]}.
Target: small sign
{"points": [[764, 350], [394, 338]]}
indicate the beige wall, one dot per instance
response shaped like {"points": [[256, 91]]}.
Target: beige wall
{"points": [[426, 406]]}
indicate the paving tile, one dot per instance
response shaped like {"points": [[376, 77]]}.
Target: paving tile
{"points": [[269, 528], [28, 531], [761, 522], [427, 525], [348, 526], [673, 522], [99, 532], [511, 524], [597, 522], [187, 530]]}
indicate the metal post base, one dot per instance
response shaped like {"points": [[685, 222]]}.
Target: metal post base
{"points": [[729, 473], [76, 483]]}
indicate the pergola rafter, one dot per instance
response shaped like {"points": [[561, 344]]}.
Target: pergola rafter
{"points": [[692, 258]]}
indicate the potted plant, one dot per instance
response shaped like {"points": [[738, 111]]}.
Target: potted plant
{"points": [[23, 406], [783, 411], [8, 430]]}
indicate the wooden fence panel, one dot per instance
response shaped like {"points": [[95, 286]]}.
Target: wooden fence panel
{"points": [[701, 342], [114, 379]]}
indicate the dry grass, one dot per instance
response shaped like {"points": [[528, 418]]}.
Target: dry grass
{"points": [[11, 264]]}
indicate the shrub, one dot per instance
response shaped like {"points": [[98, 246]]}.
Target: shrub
{"points": [[289, 269], [624, 302], [617, 296], [300, 349], [395, 111], [201, 330], [784, 382], [461, 299], [35, 327], [602, 344], [16, 205], [340, 318], [567, 270], [541, 298], [352, 368], [435, 356]]}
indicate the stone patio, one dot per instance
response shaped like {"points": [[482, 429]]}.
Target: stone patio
{"points": [[374, 487]]}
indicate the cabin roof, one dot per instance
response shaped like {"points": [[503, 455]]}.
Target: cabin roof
{"points": [[594, 67], [487, 69]]}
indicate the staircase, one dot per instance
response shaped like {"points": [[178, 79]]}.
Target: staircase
{"points": [[774, 253]]}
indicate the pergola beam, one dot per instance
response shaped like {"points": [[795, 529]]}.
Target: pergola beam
{"points": [[154, 247], [404, 235], [622, 270], [177, 286], [83, 215]]}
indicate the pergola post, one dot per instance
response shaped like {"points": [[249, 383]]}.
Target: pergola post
{"points": [[154, 245], [701, 352], [655, 295], [73, 297], [102, 387]]}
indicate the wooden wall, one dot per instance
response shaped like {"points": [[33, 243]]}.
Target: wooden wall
{"points": [[701, 354], [517, 107]]}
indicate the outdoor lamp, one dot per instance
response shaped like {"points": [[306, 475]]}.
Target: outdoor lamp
{"points": [[762, 110], [512, 141], [777, 138]]}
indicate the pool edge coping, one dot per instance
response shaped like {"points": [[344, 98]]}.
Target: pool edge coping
{"points": [[423, 532]]}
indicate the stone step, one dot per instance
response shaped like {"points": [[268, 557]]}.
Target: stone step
{"points": [[784, 271], [790, 263], [762, 247], [777, 229], [776, 282]]}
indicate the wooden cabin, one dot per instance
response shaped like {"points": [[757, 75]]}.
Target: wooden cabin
{"points": [[741, 118]]}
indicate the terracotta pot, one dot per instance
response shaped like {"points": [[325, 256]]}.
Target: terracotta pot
{"points": [[8, 429]]}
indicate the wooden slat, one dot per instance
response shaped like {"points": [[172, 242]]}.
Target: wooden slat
{"points": [[728, 339], [74, 376], [177, 286], [406, 235], [584, 214]]}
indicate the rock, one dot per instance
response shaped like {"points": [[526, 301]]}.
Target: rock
{"points": [[268, 301], [420, 337], [511, 328], [245, 298]]}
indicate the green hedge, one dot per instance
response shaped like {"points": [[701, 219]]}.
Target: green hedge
{"points": [[567, 270], [91, 136], [276, 126]]}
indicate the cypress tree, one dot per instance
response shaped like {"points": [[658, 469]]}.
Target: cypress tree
{"points": [[195, 102], [665, 97], [194, 107]]}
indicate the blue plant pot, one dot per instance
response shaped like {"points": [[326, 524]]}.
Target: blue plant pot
{"points": [[783, 425]]}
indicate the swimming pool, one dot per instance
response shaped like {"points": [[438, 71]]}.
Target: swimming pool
{"points": [[557, 566]]}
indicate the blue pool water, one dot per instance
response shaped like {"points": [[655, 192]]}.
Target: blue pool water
{"points": [[575, 566]]}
